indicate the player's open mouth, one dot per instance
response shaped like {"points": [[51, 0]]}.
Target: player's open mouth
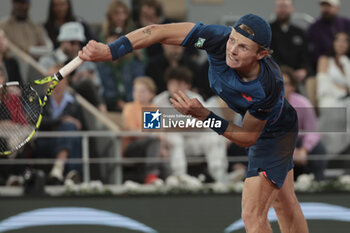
{"points": [[232, 58]]}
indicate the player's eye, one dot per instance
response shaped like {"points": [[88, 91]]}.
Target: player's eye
{"points": [[244, 48]]}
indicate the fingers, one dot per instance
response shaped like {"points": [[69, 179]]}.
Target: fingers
{"points": [[184, 97], [180, 100], [88, 52], [176, 104]]}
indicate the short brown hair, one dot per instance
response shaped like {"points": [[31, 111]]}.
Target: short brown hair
{"points": [[180, 73], [148, 82]]}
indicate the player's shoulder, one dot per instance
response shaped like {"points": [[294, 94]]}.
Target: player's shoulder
{"points": [[220, 28], [271, 69], [212, 29], [272, 79]]}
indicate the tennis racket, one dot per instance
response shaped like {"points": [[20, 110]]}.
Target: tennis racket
{"points": [[21, 108]]}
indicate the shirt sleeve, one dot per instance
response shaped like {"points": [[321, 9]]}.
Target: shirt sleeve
{"points": [[262, 109], [211, 38]]}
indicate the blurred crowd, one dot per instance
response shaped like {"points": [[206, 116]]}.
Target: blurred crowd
{"points": [[314, 62]]}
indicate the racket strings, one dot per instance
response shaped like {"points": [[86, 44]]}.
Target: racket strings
{"points": [[19, 112], [31, 105]]}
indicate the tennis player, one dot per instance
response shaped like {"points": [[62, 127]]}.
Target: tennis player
{"points": [[245, 76]]}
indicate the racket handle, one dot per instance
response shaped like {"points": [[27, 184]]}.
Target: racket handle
{"points": [[67, 69]]}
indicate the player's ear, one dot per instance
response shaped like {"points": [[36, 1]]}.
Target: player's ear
{"points": [[262, 53]]}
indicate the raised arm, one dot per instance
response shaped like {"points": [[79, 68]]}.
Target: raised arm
{"points": [[173, 34]]}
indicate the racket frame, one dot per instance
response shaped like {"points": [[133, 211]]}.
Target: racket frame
{"points": [[55, 79]]}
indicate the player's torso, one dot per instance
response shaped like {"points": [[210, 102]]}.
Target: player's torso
{"points": [[239, 95]]}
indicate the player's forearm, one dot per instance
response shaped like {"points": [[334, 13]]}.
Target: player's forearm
{"points": [[146, 36], [244, 136], [173, 34]]}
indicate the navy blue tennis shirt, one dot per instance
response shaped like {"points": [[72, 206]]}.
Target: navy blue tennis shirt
{"points": [[263, 97]]}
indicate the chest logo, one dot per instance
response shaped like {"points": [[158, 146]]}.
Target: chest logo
{"points": [[247, 97], [199, 43]]}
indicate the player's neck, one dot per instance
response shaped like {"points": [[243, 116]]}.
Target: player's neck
{"points": [[250, 73]]}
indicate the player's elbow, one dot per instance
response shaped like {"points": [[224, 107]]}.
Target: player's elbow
{"points": [[246, 144], [247, 141]]}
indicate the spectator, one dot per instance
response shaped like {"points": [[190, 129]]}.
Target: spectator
{"points": [[289, 43], [86, 78], [10, 173], [321, 33], [310, 143], [211, 145], [61, 113], [173, 56], [70, 40], [59, 13], [23, 32], [9, 65], [117, 20], [333, 85], [151, 12], [117, 77], [149, 147]]}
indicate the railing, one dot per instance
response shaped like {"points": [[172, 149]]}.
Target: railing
{"points": [[116, 152]]}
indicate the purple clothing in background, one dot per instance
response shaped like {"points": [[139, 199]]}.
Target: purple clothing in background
{"points": [[307, 120], [321, 34]]}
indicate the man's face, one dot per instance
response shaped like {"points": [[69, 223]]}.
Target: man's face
{"points": [[283, 10], [70, 48], [328, 11], [20, 9], [148, 16], [241, 52]]}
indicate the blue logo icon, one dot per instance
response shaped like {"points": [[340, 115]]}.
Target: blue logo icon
{"points": [[151, 120]]}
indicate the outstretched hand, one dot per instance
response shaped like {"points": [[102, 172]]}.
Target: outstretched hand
{"points": [[182, 103], [96, 52]]}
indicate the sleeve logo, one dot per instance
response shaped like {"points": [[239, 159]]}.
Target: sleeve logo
{"points": [[199, 43]]}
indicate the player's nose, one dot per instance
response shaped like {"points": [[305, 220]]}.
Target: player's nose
{"points": [[233, 49]]}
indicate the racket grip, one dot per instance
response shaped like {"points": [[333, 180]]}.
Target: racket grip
{"points": [[72, 65]]}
